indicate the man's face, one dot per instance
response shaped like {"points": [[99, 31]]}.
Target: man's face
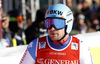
{"points": [[21, 24], [56, 34], [5, 23]]}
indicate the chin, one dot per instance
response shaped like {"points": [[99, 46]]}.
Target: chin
{"points": [[54, 39]]}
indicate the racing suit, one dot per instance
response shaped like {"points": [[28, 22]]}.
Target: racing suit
{"points": [[44, 51]]}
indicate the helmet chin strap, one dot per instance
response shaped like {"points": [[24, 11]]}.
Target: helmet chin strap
{"points": [[60, 40], [62, 37]]}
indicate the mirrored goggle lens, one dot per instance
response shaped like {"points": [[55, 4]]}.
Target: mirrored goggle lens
{"points": [[58, 23]]}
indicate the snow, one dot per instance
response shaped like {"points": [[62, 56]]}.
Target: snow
{"points": [[13, 55]]}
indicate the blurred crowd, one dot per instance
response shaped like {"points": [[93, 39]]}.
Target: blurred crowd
{"points": [[14, 33], [11, 38], [86, 20]]}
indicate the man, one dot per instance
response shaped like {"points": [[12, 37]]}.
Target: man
{"points": [[37, 28], [20, 34], [6, 30], [58, 47]]}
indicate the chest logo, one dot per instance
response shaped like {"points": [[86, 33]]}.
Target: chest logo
{"points": [[42, 45], [74, 46]]}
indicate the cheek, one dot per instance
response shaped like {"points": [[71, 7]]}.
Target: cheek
{"points": [[61, 32]]}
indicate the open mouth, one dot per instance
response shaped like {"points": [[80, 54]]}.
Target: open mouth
{"points": [[53, 34]]}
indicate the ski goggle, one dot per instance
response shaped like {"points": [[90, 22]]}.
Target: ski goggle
{"points": [[57, 23]]}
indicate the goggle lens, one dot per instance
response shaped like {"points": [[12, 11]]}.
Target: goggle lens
{"points": [[58, 23]]}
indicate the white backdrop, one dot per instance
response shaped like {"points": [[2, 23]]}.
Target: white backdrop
{"points": [[91, 39], [13, 55]]}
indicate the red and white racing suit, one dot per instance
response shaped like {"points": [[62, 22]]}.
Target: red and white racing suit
{"points": [[44, 51]]}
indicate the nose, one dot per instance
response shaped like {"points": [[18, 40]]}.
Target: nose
{"points": [[52, 28]]}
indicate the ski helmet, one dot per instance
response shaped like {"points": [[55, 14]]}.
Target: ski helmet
{"points": [[61, 11]]}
